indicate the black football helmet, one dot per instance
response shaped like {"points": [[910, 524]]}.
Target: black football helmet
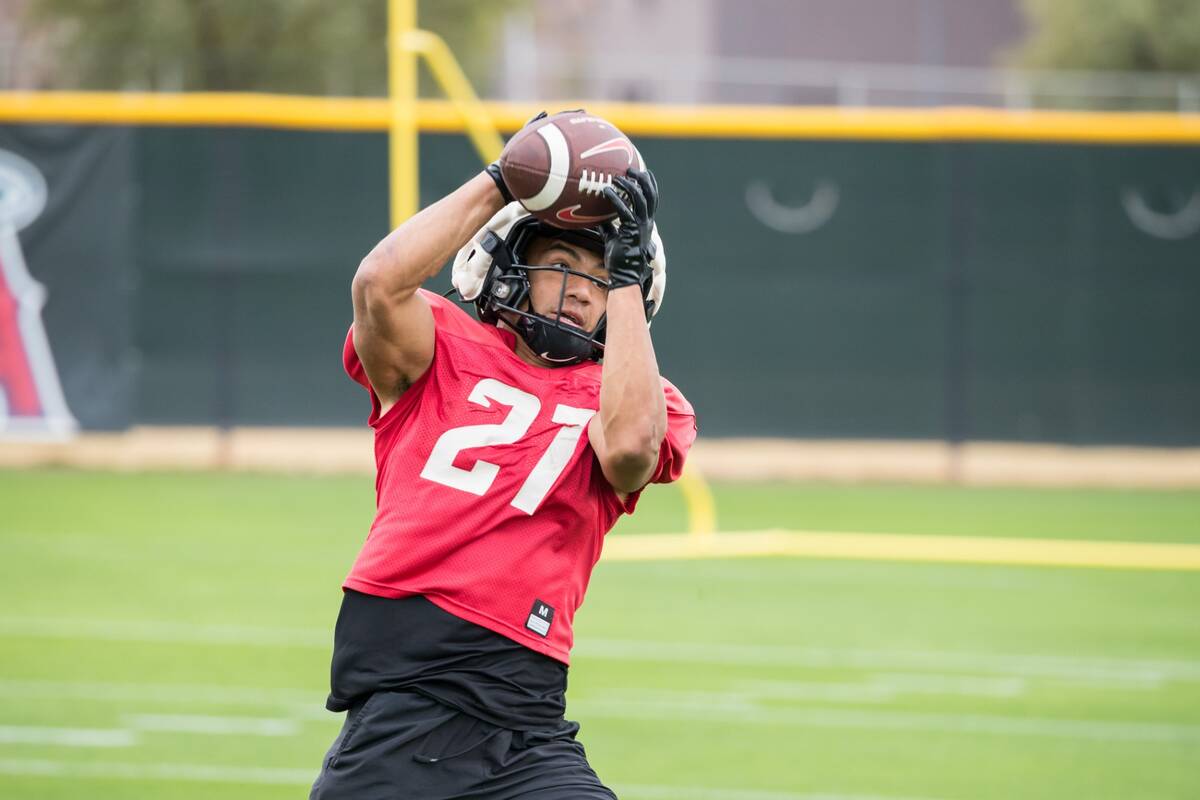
{"points": [[505, 291]]}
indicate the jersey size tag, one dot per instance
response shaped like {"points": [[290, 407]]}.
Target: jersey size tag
{"points": [[540, 617]]}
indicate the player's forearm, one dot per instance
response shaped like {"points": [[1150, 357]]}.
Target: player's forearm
{"points": [[416, 250], [633, 410]]}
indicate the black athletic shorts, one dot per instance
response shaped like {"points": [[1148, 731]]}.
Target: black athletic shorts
{"points": [[406, 746]]}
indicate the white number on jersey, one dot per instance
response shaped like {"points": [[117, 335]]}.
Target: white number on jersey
{"points": [[523, 410]]}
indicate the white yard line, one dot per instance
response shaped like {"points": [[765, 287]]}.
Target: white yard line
{"points": [[132, 724], [163, 693], [67, 737], [309, 704], [153, 632], [734, 713], [631, 791], [873, 689], [305, 776], [884, 686], [159, 772], [1098, 669], [750, 704], [206, 724], [1027, 665], [935, 684]]}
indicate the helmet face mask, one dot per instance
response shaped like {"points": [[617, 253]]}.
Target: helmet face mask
{"points": [[491, 272], [507, 296]]}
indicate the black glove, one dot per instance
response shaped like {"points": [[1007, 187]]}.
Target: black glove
{"points": [[493, 169], [629, 248]]}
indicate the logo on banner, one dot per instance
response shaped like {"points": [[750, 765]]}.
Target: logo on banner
{"points": [[31, 397]]}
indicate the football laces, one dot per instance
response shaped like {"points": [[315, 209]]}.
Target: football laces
{"points": [[594, 183]]}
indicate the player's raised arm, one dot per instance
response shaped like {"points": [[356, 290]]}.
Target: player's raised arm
{"points": [[629, 429], [393, 325]]}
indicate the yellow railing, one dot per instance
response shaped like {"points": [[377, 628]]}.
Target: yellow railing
{"points": [[637, 119]]}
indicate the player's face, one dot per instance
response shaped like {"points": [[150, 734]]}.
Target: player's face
{"points": [[584, 301]]}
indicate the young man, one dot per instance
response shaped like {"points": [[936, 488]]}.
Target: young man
{"points": [[506, 448]]}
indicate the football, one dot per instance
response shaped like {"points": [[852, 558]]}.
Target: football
{"points": [[558, 166]]}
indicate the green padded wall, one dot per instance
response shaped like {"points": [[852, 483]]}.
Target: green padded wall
{"points": [[965, 290]]}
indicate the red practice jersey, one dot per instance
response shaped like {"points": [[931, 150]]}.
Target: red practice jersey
{"points": [[490, 501]]}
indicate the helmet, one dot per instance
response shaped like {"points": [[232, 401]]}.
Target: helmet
{"points": [[491, 271]]}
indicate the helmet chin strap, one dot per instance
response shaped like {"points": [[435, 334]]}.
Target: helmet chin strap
{"points": [[550, 342]]}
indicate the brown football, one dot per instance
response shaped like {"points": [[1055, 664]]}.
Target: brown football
{"points": [[558, 167]]}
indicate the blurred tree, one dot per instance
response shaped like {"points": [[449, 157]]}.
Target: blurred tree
{"points": [[297, 46], [1131, 35]]}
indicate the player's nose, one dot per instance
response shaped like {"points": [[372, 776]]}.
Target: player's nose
{"points": [[579, 290]]}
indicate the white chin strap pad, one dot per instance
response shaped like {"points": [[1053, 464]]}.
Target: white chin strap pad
{"points": [[472, 263], [658, 266]]}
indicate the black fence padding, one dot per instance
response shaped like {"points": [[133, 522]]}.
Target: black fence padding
{"points": [[968, 290]]}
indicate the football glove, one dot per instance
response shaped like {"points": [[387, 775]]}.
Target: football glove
{"points": [[493, 172], [629, 246], [493, 169]]}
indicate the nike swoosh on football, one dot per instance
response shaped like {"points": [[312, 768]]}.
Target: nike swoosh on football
{"points": [[569, 215], [616, 143]]}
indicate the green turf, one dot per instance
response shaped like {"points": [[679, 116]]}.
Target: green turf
{"points": [[139, 601]]}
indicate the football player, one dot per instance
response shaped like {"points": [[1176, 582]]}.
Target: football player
{"points": [[506, 447]]}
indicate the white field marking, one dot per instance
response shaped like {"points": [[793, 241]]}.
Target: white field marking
{"points": [[1093, 669], [744, 699], [905, 547], [206, 724], [154, 632], [1085, 668], [875, 689], [724, 707], [932, 683], [67, 737], [162, 693], [298, 704], [896, 720], [159, 772], [879, 688], [654, 792], [750, 696], [745, 695], [305, 776]]}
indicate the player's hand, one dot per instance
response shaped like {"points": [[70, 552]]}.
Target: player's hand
{"points": [[493, 172], [629, 247], [493, 169]]}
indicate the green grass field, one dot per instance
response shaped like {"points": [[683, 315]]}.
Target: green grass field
{"points": [[167, 635]]}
